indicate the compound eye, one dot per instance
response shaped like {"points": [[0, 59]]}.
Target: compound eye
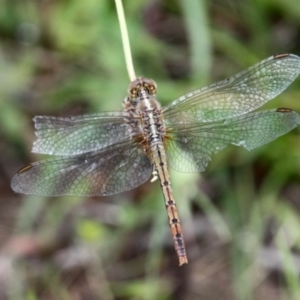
{"points": [[134, 85], [133, 92], [152, 89], [150, 85]]}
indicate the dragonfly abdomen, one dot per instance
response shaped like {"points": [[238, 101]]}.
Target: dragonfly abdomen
{"points": [[159, 159]]}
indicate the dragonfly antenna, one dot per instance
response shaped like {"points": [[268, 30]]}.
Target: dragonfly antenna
{"points": [[125, 40]]}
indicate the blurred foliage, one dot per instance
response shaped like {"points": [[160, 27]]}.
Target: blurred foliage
{"points": [[240, 219]]}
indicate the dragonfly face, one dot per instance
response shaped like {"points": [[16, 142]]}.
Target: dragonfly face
{"points": [[140, 85], [108, 153]]}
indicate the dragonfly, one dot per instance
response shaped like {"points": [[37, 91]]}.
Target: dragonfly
{"points": [[108, 153]]}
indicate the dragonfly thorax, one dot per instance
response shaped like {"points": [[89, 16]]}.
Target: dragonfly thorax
{"points": [[143, 111]]}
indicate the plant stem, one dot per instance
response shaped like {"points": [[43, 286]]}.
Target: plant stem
{"points": [[125, 40]]}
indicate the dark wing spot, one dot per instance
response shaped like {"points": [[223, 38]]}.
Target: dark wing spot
{"points": [[24, 169], [283, 110], [281, 55]]}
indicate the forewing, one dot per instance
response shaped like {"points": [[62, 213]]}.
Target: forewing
{"points": [[67, 136], [100, 173], [237, 95], [190, 146]]}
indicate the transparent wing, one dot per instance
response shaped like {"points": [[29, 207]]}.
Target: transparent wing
{"points": [[100, 173], [237, 95], [80, 134], [190, 145]]}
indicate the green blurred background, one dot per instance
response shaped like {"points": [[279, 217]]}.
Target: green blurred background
{"points": [[240, 218]]}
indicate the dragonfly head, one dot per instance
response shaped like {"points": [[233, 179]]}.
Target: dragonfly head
{"points": [[141, 87]]}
